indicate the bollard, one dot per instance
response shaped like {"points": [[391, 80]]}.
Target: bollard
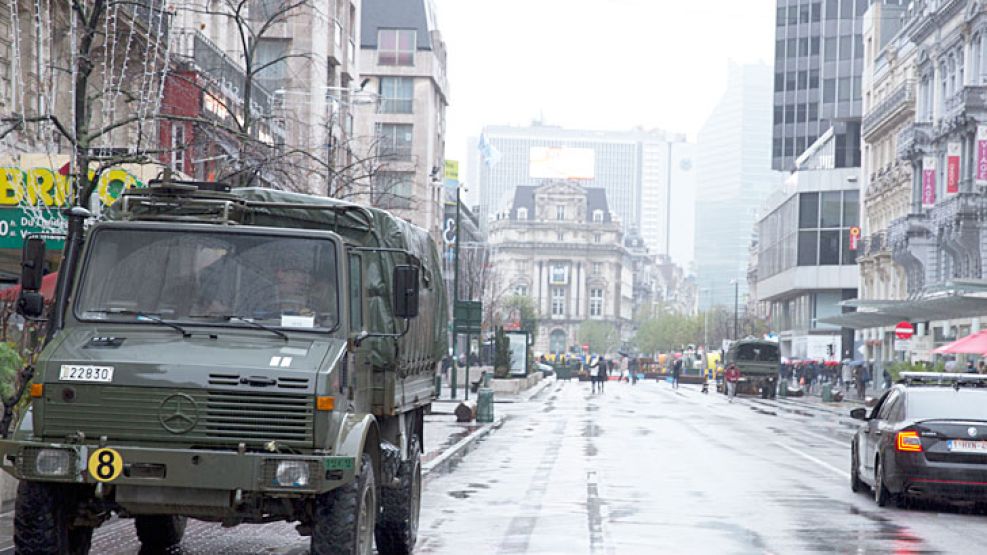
{"points": [[438, 386], [827, 393], [485, 400], [783, 388]]}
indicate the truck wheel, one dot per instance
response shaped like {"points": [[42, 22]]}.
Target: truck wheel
{"points": [[345, 517], [43, 515], [397, 530], [160, 531]]}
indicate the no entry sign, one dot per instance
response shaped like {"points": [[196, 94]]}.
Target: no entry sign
{"points": [[904, 330]]}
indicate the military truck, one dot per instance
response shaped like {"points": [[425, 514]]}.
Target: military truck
{"points": [[758, 362], [236, 356]]}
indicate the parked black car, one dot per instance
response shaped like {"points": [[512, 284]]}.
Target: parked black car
{"points": [[926, 438]]}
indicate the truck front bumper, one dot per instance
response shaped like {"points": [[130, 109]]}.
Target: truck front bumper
{"points": [[266, 473]]}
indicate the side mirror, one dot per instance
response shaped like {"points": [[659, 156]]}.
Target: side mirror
{"points": [[405, 291], [32, 264], [859, 414], [30, 304]]}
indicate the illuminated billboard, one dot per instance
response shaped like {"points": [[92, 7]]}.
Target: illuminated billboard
{"points": [[551, 162]]}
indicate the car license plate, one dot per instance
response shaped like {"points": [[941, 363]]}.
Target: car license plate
{"points": [[73, 373], [966, 446]]}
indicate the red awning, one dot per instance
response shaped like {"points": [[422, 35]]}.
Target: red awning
{"points": [[973, 344], [10, 294]]}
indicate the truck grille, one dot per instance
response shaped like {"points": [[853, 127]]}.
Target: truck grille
{"points": [[214, 417]]}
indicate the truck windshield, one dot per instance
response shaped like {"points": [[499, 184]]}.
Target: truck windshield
{"points": [[757, 352], [229, 279]]}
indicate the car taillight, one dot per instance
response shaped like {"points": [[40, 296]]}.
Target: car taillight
{"points": [[908, 441]]}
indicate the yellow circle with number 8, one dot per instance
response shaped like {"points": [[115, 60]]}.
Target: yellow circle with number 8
{"points": [[105, 465]]}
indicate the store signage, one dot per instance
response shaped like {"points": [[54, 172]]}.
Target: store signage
{"points": [[928, 182], [854, 237], [953, 168], [981, 155]]}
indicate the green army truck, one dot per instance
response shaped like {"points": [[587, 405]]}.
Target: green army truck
{"points": [[236, 356], [758, 362]]}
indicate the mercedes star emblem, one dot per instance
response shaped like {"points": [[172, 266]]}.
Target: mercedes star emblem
{"points": [[178, 413], [971, 431]]}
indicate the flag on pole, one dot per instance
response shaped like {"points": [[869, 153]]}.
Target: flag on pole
{"points": [[491, 156]]}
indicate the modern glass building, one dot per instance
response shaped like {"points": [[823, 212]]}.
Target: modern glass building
{"points": [[819, 55], [733, 179]]}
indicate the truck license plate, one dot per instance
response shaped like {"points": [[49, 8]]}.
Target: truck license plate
{"points": [[73, 373], [966, 446]]}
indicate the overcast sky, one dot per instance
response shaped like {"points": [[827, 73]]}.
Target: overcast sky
{"points": [[597, 64]]}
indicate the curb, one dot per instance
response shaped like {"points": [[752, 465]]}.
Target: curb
{"points": [[452, 455]]}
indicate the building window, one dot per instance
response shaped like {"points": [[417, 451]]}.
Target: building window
{"points": [[394, 141], [596, 302], [559, 275], [272, 52], [178, 147], [597, 268], [521, 290], [396, 47], [558, 301], [598, 216], [561, 236], [338, 39], [825, 220], [397, 95], [522, 213], [597, 237], [560, 212], [393, 189]]}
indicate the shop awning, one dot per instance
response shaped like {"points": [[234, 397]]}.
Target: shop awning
{"points": [[887, 313], [973, 344]]}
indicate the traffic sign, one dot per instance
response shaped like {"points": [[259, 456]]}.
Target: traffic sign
{"points": [[904, 330]]}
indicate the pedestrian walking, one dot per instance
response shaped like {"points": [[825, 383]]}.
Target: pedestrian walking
{"points": [[602, 371], [732, 376], [860, 381], [887, 379], [676, 372], [970, 368], [632, 368]]}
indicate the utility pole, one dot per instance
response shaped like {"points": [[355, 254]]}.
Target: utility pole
{"points": [[736, 307], [455, 300]]}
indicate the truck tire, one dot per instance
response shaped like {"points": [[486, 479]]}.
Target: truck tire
{"points": [[397, 530], [345, 517], [158, 532], [43, 514]]}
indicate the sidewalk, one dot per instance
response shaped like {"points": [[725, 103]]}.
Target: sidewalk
{"points": [[526, 395]]}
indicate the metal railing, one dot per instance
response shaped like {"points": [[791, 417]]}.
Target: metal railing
{"points": [[902, 97]]}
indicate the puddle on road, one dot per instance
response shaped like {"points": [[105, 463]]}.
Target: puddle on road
{"points": [[462, 494]]}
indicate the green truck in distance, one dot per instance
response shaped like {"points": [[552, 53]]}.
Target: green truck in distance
{"points": [[237, 356]]}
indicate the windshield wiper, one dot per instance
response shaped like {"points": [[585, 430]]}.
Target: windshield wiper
{"points": [[154, 318], [232, 318]]}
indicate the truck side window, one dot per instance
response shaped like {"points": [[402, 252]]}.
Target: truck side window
{"points": [[356, 296]]}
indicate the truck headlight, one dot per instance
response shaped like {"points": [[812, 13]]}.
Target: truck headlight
{"points": [[293, 474], [53, 462]]}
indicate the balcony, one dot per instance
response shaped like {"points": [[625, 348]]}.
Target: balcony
{"points": [[901, 100], [955, 209], [914, 139], [967, 101], [876, 243]]}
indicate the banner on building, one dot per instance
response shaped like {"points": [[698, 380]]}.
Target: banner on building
{"points": [[928, 181], [854, 238], [982, 155], [953, 168]]}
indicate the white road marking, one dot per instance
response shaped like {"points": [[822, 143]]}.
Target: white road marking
{"points": [[826, 465]]}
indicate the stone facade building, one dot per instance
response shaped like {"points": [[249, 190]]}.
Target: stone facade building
{"points": [[559, 244], [923, 259], [403, 58]]}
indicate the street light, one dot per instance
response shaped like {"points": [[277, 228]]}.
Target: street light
{"points": [[736, 306], [455, 300]]}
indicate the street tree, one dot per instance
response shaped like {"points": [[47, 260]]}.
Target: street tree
{"points": [[600, 336]]}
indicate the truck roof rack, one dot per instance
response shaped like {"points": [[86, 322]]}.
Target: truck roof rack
{"points": [[954, 379]]}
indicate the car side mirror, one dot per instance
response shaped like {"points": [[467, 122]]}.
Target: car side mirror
{"points": [[859, 414], [32, 264], [30, 303], [406, 288]]}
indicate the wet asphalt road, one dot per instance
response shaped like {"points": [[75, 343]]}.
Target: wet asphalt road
{"points": [[644, 469]]}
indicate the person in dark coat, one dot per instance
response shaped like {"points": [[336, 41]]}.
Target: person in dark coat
{"points": [[602, 371], [676, 372]]}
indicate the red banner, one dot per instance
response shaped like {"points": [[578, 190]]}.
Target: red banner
{"points": [[928, 181], [953, 168]]}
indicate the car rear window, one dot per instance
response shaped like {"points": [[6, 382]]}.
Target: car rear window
{"points": [[947, 403]]}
